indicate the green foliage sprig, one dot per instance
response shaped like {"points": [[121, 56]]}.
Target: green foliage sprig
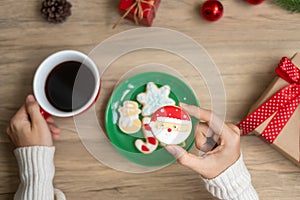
{"points": [[291, 5]]}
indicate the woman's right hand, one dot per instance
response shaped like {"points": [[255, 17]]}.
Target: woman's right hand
{"points": [[208, 133]]}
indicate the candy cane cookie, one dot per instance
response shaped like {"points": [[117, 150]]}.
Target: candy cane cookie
{"points": [[151, 143]]}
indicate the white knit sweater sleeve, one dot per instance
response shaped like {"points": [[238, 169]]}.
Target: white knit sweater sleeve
{"points": [[234, 183], [36, 167]]}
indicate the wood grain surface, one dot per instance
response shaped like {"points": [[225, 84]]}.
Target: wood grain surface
{"points": [[245, 44]]}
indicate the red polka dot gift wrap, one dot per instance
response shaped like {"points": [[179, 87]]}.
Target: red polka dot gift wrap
{"points": [[275, 117]]}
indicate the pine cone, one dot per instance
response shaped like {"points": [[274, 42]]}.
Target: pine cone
{"points": [[56, 11]]}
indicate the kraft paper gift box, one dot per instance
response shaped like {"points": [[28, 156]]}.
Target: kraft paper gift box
{"points": [[279, 126]]}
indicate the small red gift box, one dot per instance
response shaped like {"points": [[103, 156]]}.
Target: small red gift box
{"points": [[140, 11]]}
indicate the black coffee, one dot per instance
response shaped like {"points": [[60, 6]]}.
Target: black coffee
{"points": [[70, 85]]}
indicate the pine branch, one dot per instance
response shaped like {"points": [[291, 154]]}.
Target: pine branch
{"points": [[291, 5]]}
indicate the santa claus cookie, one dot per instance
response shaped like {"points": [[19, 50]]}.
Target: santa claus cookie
{"points": [[129, 121], [154, 98], [171, 125]]}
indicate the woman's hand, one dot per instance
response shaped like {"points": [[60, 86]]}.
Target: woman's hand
{"points": [[28, 127], [208, 133]]}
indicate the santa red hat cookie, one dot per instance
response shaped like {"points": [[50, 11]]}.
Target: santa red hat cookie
{"points": [[171, 125]]}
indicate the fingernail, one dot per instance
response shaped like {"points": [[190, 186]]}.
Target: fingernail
{"points": [[182, 104], [55, 136], [30, 98], [176, 151], [185, 106]]}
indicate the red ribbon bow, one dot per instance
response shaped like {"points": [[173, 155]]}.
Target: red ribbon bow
{"points": [[282, 104]]}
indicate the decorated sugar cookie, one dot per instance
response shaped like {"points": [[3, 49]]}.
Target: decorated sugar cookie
{"points": [[151, 143], [171, 125], [129, 121], [154, 98]]}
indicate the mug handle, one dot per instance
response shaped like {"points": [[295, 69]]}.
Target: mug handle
{"points": [[44, 113]]}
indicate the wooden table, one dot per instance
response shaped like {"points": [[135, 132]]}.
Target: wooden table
{"points": [[245, 44]]}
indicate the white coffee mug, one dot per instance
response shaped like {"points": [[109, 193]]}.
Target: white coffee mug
{"points": [[46, 67]]}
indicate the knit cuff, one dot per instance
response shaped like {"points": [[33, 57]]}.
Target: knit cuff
{"points": [[233, 183], [37, 170]]}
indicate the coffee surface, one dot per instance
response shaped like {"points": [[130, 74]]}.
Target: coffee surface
{"points": [[70, 85]]}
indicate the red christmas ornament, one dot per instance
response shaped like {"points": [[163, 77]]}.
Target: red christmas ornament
{"points": [[212, 10], [255, 2]]}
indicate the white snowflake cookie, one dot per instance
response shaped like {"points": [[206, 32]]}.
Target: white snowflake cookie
{"points": [[154, 98]]}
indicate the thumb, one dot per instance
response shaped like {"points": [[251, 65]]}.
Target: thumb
{"points": [[176, 151], [185, 158], [33, 109]]}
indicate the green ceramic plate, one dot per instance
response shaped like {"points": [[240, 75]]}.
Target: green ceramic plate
{"points": [[128, 90]]}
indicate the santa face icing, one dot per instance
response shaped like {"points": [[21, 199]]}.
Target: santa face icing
{"points": [[171, 125]]}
